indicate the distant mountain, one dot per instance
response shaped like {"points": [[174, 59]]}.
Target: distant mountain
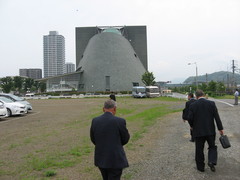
{"points": [[223, 76]]}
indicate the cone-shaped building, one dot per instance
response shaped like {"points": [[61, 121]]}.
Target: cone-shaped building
{"points": [[109, 62]]}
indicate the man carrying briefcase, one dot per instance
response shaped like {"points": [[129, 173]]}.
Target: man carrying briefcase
{"points": [[201, 117]]}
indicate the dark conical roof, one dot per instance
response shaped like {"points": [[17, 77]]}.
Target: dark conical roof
{"points": [[109, 61]]}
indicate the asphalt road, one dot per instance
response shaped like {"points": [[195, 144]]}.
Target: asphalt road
{"points": [[172, 157]]}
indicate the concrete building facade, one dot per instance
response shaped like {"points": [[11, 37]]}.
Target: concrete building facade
{"points": [[31, 73], [111, 58], [69, 68], [53, 54]]}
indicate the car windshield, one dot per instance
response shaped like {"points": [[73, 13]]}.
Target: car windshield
{"points": [[16, 97], [6, 100], [142, 90]]}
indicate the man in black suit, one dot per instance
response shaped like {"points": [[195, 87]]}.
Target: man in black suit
{"points": [[109, 134], [201, 117], [191, 99], [112, 96]]}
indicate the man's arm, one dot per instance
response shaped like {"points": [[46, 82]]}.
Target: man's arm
{"points": [[217, 118], [125, 136], [92, 134], [190, 116]]}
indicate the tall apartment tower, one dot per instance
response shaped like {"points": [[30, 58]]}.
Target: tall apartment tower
{"points": [[53, 54], [69, 67]]}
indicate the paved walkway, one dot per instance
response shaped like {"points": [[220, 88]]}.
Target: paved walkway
{"points": [[173, 155]]}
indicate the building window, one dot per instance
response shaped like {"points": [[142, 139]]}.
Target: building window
{"points": [[107, 81], [135, 84], [81, 86]]}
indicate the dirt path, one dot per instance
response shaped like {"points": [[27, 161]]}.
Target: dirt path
{"points": [[172, 156]]}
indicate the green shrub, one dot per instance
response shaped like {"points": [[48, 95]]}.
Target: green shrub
{"points": [[50, 173]]}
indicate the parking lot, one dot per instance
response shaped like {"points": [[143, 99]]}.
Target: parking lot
{"points": [[55, 135]]}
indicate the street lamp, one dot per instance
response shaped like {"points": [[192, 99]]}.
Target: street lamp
{"points": [[196, 79]]}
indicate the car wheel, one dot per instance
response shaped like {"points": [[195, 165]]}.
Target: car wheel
{"points": [[9, 113]]}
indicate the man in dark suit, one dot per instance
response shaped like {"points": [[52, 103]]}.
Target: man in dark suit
{"points": [[191, 99], [109, 134], [201, 117], [112, 96]]}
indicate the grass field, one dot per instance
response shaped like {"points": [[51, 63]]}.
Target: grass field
{"points": [[53, 140]]}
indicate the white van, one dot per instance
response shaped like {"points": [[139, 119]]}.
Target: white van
{"points": [[152, 91], [139, 92], [30, 95]]}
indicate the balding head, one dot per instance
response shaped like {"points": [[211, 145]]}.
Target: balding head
{"points": [[109, 106]]}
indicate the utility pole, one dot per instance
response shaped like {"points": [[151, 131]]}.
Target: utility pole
{"points": [[206, 78], [233, 71]]}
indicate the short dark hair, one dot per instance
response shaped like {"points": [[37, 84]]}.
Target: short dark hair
{"points": [[109, 104], [199, 93], [190, 95]]}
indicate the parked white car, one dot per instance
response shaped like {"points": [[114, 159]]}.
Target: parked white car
{"points": [[13, 108], [3, 110], [17, 99]]}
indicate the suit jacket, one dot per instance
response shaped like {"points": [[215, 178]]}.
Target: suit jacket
{"points": [[186, 109], [201, 117], [113, 97], [109, 133]]}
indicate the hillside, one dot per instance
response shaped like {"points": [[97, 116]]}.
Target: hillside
{"points": [[222, 76]]}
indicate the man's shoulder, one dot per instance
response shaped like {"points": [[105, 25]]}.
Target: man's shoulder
{"points": [[192, 100], [207, 101], [119, 118], [109, 116], [102, 116]]}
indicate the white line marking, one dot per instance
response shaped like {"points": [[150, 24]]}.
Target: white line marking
{"points": [[224, 102]]}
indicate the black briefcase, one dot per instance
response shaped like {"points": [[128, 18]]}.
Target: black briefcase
{"points": [[224, 141]]}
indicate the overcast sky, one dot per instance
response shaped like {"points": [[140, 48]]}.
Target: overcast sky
{"points": [[178, 32]]}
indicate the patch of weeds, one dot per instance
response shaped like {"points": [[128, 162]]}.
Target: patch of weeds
{"points": [[39, 164], [40, 150], [27, 140], [81, 150], [146, 119], [52, 133], [1, 163], [50, 173], [138, 135], [130, 146], [124, 112], [88, 169], [12, 146], [127, 176]]}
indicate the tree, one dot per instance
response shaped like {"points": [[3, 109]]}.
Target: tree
{"points": [[220, 87], [212, 86], [7, 84], [203, 87], [18, 83], [29, 82], [42, 86], [148, 79]]}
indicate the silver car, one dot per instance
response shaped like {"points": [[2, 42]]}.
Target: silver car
{"points": [[17, 99], [3, 110], [13, 108]]}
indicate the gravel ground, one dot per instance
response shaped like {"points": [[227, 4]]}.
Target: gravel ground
{"points": [[172, 156]]}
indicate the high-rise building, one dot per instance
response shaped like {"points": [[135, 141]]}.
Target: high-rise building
{"points": [[69, 67], [53, 54], [31, 73]]}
